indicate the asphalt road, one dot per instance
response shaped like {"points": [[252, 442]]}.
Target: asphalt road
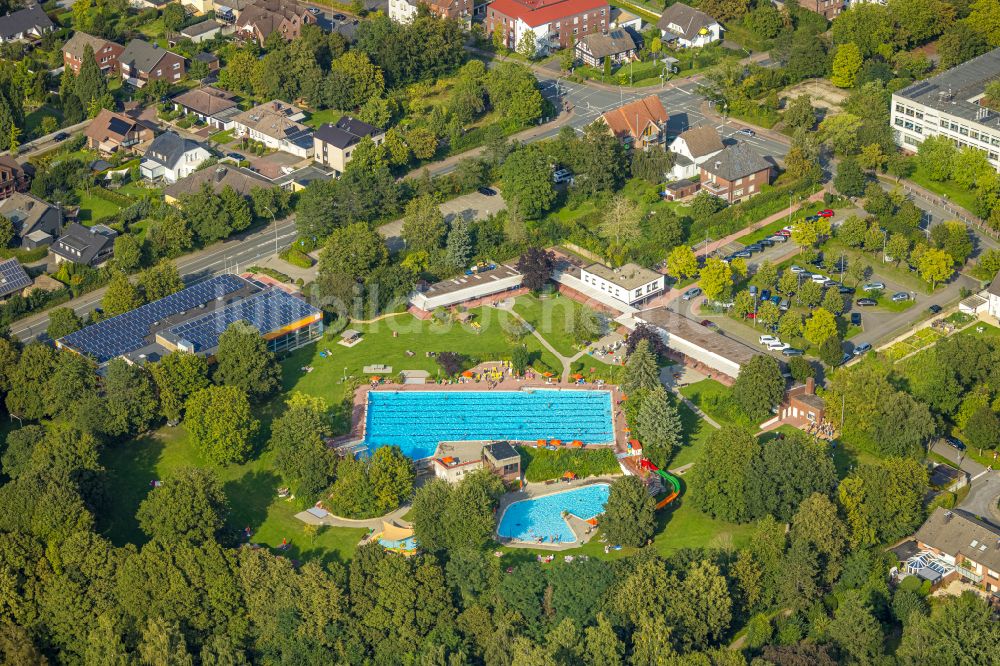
{"points": [[984, 491], [230, 256]]}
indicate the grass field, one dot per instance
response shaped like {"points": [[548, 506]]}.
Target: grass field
{"points": [[552, 316], [712, 398], [93, 209], [317, 118], [964, 198], [544, 464]]}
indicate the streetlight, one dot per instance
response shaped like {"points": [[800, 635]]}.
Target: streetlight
{"points": [[275, 223]]}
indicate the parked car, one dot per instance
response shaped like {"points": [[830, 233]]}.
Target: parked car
{"points": [[818, 261], [777, 345], [754, 247], [784, 305], [843, 289], [562, 176], [765, 242], [900, 296], [486, 191], [693, 292], [783, 232], [862, 348], [792, 351], [778, 238], [825, 213], [873, 286], [339, 17], [753, 290], [742, 254], [840, 265], [796, 269], [845, 358], [235, 156], [856, 318], [314, 10], [767, 339], [934, 309], [765, 295], [708, 323], [812, 218], [819, 279], [776, 299], [60, 136], [746, 131], [955, 443], [864, 302]]}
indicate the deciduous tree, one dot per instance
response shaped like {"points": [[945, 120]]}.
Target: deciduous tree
{"points": [[189, 505], [221, 424], [759, 387], [178, 375], [245, 362], [716, 279], [629, 515]]}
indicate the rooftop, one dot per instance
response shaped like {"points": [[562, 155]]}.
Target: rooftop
{"points": [[688, 19], [615, 42], [736, 161], [24, 20], [24, 211], [500, 451], [702, 140], [629, 276], [274, 119], [206, 100], [696, 334], [958, 90], [168, 149], [221, 175], [108, 125], [957, 533], [346, 132], [79, 41], [81, 244], [141, 55], [541, 12], [634, 117], [201, 28], [12, 277], [461, 282]]}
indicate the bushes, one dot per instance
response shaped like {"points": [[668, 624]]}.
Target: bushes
{"points": [[544, 464], [296, 257], [116, 198], [734, 218]]}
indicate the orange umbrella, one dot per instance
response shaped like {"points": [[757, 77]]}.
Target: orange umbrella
{"points": [[546, 374], [541, 442], [578, 376], [569, 475], [376, 378], [576, 442], [555, 442], [468, 373]]}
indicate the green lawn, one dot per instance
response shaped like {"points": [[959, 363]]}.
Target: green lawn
{"points": [[93, 209], [251, 489], [224, 136], [33, 120], [153, 29], [544, 464], [712, 398], [988, 330], [947, 189], [317, 118], [885, 302], [553, 316]]}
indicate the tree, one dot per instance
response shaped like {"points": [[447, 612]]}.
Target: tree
{"points": [[120, 296], [766, 275], [526, 182], [90, 84], [768, 314], [356, 250], [536, 264], [460, 245], [705, 204], [599, 161], [221, 424], [528, 46], [513, 92], [132, 406], [854, 629], [833, 301], [173, 17], [702, 611], [159, 281], [62, 321], [641, 371], [178, 375], [621, 221], [652, 165], [682, 262], [810, 293], [850, 179], [955, 239], [658, 426], [7, 232], [300, 452], [959, 44], [820, 326], [743, 303], [961, 625], [935, 265], [189, 505], [882, 500], [423, 224], [936, 157], [795, 467], [759, 387], [716, 279], [629, 515], [244, 361], [799, 113], [846, 65], [391, 475], [788, 283], [587, 326], [817, 524], [162, 644], [983, 429], [723, 474], [898, 247]]}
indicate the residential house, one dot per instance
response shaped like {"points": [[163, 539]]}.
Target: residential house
{"points": [[106, 53], [688, 27], [13, 177], [642, 123], [691, 148], [210, 59], [13, 278], [220, 176], [91, 246], [110, 132], [828, 9], [276, 125], [226, 11], [26, 24], [210, 105], [171, 158], [149, 4], [554, 24], [955, 545], [142, 62], [503, 460], [403, 11], [735, 173], [629, 285], [801, 406], [618, 45], [623, 19], [202, 31], [201, 6], [36, 222], [334, 144], [453, 460], [263, 17]]}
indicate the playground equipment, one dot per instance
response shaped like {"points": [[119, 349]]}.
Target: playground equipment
{"points": [[674, 482]]}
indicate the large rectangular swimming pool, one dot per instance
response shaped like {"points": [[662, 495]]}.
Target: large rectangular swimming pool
{"points": [[416, 421]]}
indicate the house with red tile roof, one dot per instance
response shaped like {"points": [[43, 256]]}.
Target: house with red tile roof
{"points": [[556, 24], [641, 123]]}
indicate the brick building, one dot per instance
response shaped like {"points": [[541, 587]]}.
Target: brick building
{"points": [[142, 62], [556, 24], [736, 173], [12, 177], [105, 53], [827, 8]]}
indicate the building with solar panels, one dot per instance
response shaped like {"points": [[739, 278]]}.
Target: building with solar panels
{"points": [[12, 278], [193, 319]]}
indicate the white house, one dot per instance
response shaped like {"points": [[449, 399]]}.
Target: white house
{"points": [[402, 11], [628, 285], [276, 125], [688, 27], [171, 158], [691, 149], [25, 24]]}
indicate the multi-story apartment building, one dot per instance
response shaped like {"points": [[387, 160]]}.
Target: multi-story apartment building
{"points": [[105, 53], [827, 8], [951, 104], [556, 24]]}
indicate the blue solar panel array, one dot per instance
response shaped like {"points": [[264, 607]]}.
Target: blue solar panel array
{"points": [[125, 333], [267, 311], [12, 277]]}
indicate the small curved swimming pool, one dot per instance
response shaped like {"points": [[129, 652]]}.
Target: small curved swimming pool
{"points": [[541, 517]]}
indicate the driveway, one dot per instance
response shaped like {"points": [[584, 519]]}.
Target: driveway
{"points": [[470, 207], [984, 492]]}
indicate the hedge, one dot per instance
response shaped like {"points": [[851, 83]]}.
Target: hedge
{"points": [[733, 218], [114, 197], [545, 464], [297, 258]]}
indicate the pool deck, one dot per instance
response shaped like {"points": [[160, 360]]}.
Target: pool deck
{"points": [[360, 404], [582, 530]]}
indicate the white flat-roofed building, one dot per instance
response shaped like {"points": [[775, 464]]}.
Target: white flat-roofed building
{"points": [[951, 104], [467, 287], [628, 285]]}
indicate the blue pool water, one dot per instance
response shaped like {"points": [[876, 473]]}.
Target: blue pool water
{"points": [[416, 421], [542, 517]]}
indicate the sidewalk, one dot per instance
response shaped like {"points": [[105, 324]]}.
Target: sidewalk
{"points": [[722, 242]]}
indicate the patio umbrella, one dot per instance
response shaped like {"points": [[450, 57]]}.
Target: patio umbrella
{"points": [[468, 373], [569, 475], [546, 374], [578, 376], [576, 442], [555, 442], [376, 378], [541, 442]]}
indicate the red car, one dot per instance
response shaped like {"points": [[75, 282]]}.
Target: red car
{"points": [[783, 232], [751, 315], [825, 213]]}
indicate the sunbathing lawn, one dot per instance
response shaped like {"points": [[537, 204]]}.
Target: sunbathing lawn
{"points": [[93, 209], [712, 398], [553, 317], [317, 118]]}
